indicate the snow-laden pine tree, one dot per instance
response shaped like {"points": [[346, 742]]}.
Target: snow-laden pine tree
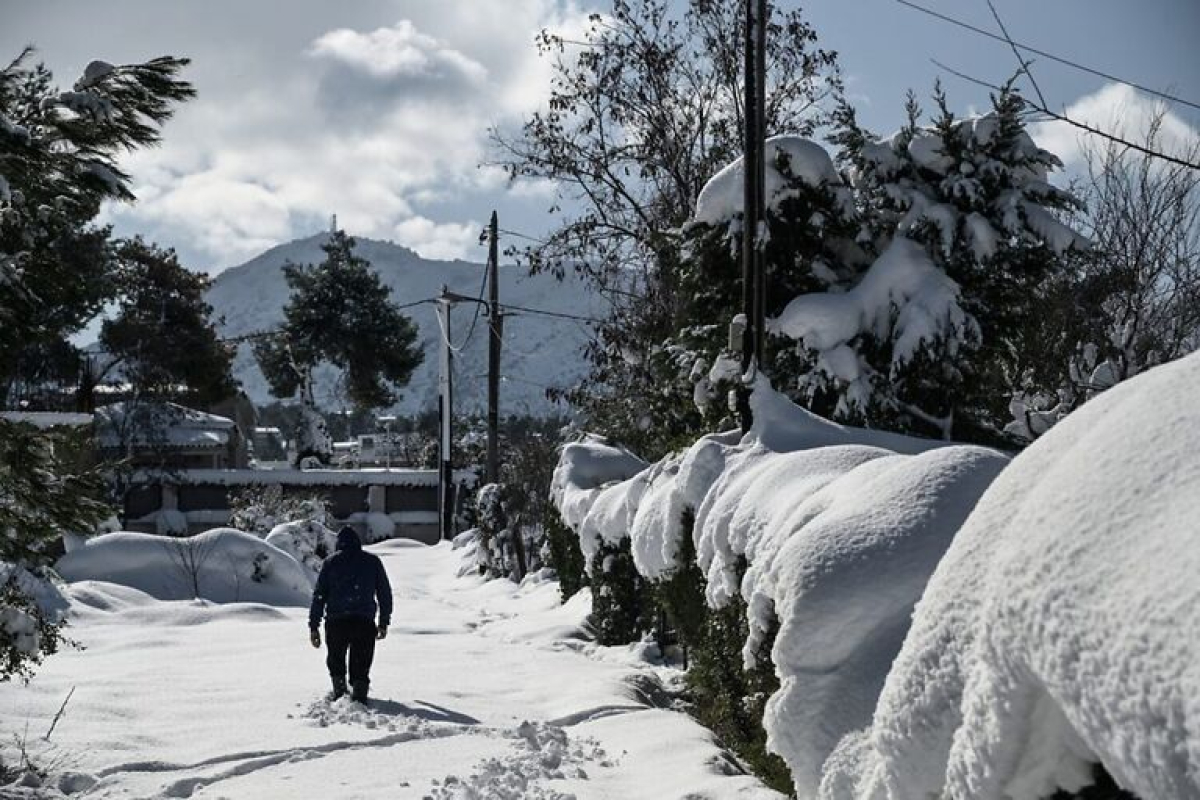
{"points": [[808, 246], [58, 163], [339, 313], [962, 226]]}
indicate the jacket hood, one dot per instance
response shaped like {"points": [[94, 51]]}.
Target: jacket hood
{"points": [[347, 539]]}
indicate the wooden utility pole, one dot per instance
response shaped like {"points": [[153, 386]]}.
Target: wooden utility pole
{"points": [[753, 180], [445, 417], [760, 179], [494, 340]]}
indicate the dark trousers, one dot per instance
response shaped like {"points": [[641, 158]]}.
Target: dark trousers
{"points": [[356, 635]]}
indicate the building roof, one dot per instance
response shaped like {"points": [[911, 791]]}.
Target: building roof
{"points": [[158, 424], [48, 419]]}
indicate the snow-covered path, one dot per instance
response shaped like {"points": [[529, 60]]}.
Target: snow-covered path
{"points": [[482, 691]]}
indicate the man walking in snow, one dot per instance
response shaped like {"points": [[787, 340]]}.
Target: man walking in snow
{"points": [[350, 583]]}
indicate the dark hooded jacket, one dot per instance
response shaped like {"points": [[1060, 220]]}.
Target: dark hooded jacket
{"points": [[350, 582]]}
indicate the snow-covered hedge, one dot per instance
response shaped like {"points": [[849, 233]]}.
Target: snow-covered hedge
{"points": [[1062, 628], [222, 565], [826, 533]]}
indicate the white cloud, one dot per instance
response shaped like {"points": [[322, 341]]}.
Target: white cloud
{"points": [[383, 125], [440, 240], [1117, 109], [400, 50]]}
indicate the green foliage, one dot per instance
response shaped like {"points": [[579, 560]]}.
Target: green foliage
{"points": [[28, 633], [723, 696], [43, 494], [622, 603], [60, 153], [341, 313], [730, 701], [564, 555]]}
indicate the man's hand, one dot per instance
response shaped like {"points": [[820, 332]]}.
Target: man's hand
{"points": [[314, 636], [381, 632]]}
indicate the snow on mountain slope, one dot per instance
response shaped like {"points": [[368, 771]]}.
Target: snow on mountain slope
{"points": [[539, 351]]}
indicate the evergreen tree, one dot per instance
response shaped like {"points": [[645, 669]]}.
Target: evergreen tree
{"points": [[162, 338], [42, 495], [58, 152], [339, 313], [967, 250]]}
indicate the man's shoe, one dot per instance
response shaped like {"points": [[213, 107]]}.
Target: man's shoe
{"points": [[359, 693], [339, 688]]}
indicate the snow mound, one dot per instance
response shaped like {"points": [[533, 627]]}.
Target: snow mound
{"points": [[828, 532], [307, 541], [221, 565], [1062, 628], [584, 468], [722, 197]]}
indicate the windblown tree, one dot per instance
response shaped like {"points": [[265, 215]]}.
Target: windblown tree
{"points": [[641, 114], [58, 153], [58, 163], [339, 313], [162, 339]]}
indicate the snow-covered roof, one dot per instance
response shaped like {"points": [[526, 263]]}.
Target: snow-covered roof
{"points": [[161, 425], [48, 419], [297, 477]]}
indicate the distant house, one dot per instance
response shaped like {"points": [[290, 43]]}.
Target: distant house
{"points": [[47, 420], [163, 435]]}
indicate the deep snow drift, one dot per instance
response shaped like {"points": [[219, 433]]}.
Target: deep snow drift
{"points": [[222, 565], [483, 690], [1062, 628], [840, 528]]}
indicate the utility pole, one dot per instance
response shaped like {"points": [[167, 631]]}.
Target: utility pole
{"points": [[445, 412], [496, 332], [750, 329], [760, 179]]}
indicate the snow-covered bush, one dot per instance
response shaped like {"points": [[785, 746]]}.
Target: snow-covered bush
{"points": [[259, 509], [222, 565], [1062, 627], [798, 549], [308, 541], [32, 616], [960, 220], [42, 497]]}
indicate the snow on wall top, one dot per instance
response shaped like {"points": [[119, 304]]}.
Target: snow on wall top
{"points": [[839, 527], [722, 197], [1063, 625], [584, 468]]}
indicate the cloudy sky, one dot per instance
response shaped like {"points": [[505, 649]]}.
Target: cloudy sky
{"points": [[378, 110]]}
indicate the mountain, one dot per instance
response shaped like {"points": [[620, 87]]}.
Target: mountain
{"points": [[539, 351]]}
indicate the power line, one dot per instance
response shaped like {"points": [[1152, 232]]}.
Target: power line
{"points": [[270, 334], [1081, 125], [559, 314], [1044, 54], [533, 239]]}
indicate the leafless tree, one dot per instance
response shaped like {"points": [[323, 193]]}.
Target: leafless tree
{"points": [[1144, 218]]}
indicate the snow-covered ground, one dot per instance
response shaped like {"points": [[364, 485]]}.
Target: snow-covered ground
{"points": [[483, 690]]}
